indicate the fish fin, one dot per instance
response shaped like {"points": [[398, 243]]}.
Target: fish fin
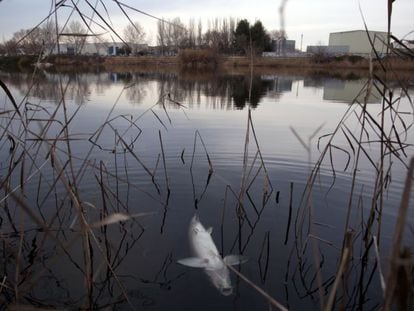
{"points": [[210, 230], [194, 262], [232, 260]]}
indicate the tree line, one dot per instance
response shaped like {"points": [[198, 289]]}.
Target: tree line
{"points": [[223, 35], [226, 36], [42, 39]]}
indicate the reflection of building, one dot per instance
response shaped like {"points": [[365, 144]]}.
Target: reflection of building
{"points": [[278, 84], [359, 41], [345, 91], [315, 82], [348, 91]]}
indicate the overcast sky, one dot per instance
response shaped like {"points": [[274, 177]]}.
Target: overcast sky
{"points": [[315, 19]]}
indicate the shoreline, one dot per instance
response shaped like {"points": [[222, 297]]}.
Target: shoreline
{"points": [[344, 67]]}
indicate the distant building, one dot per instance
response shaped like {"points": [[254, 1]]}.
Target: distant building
{"points": [[277, 84], [360, 42], [154, 50], [283, 46], [329, 50], [113, 49], [97, 49], [355, 42], [317, 49]]}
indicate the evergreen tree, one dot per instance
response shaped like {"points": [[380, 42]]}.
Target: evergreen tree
{"points": [[260, 38], [255, 36], [242, 37]]}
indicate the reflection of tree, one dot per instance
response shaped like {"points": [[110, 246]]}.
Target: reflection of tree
{"points": [[240, 87], [217, 91], [240, 92], [177, 88], [136, 91], [47, 86], [102, 83], [78, 89]]}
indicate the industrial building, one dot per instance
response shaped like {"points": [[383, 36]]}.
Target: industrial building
{"points": [[98, 49], [359, 41], [327, 49], [283, 46]]}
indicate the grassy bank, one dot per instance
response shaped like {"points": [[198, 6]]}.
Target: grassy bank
{"points": [[226, 62], [343, 62], [343, 67]]}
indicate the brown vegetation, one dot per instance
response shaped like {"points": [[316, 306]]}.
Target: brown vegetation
{"points": [[308, 62], [198, 58], [344, 67], [209, 59]]}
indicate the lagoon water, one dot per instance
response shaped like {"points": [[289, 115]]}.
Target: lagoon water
{"points": [[175, 145]]}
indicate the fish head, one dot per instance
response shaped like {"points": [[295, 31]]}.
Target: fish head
{"points": [[220, 278], [226, 291]]}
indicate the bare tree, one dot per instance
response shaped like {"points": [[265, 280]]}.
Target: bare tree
{"points": [[161, 36], [213, 39], [3, 49], [177, 33], [76, 35], [10, 47], [191, 34], [220, 34], [34, 41], [232, 32], [172, 35], [200, 33], [225, 35], [48, 35], [134, 35]]}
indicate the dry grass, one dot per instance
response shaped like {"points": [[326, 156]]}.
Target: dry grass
{"points": [[38, 143], [198, 59]]}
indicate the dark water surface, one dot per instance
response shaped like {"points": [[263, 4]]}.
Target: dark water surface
{"points": [[174, 145]]}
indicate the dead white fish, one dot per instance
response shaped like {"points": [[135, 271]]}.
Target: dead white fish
{"points": [[206, 256]]}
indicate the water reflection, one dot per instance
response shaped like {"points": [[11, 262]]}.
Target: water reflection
{"points": [[222, 91], [349, 91], [218, 91], [345, 91], [248, 182]]}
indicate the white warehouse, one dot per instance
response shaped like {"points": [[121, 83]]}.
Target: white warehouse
{"points": [[358, 41]]}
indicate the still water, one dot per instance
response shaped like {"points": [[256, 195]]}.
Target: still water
{"points": [[236, 151]]}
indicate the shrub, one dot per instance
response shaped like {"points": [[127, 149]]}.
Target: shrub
{"points": [[198, 58]]}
